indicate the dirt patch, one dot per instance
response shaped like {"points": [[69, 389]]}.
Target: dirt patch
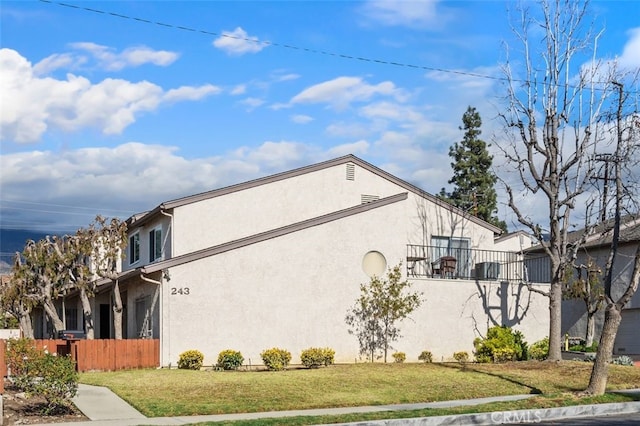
{"points": [[17, 409]]}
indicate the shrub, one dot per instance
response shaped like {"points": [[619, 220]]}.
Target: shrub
{"points": [[539, 350], [230, 359], [462, 357], [426, 356], [276, 359], [501, 344], [623, 360], [41, 373], [316, 357], [399, 357], [56, 381], [590, 357], [191, 360], [19, 352]]}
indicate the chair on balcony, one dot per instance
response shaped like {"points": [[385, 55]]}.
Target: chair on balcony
{"points": [[444, 267]]}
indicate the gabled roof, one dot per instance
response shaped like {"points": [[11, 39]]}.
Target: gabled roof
{"points": [[263, 236], [140, 220]]}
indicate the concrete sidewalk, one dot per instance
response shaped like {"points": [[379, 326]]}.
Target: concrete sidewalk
{"points": [[105, 408]]}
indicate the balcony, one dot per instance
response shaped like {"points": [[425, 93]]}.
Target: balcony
{"points": [[475, 264]]}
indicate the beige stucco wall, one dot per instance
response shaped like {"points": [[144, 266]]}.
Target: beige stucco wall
{"points": [[294, 291], [270, 206]]}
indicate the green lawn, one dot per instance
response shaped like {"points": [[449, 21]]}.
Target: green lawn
{"points": [[182, 392]]}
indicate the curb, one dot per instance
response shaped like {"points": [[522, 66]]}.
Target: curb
{"points": [[512, 417]]}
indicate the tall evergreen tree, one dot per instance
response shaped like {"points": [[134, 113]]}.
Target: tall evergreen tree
{"points": [[473, 180]]}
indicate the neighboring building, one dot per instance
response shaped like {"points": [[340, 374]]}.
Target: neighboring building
{"points": [[597, 247], [278, 261]]}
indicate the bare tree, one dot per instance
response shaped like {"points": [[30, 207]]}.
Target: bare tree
{"points": [[109, 241], [19, 295], [44, 268], [588, 289], [627, 130], [551, 133]]}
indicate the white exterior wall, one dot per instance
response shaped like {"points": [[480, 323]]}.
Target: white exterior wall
{"points": [[294, 291], [265, 207]]}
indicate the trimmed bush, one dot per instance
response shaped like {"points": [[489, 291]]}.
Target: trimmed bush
{"points": [[399, 357], [462, 357], [276, 359], [623, 360], [501, 344], [316, 357], [539, 350], [41, 373], [191, 360], [425, 356], [230, 359]]}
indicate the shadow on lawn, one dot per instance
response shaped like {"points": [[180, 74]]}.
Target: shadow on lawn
{"points": [[469, 367]]}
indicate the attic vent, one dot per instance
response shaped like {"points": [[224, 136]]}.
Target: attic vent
{"points": [[364, 198], [351, 171]]}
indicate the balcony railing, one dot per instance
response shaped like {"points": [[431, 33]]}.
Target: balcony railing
{"points": [[476, 264]]}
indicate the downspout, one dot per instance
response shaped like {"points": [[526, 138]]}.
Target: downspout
{"points": [[160, 313]]}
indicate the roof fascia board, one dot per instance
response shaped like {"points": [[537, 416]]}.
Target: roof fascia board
{"points": [[278, 232]]}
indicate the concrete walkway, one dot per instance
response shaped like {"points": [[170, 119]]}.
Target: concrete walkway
{"points": [[105, 408]]}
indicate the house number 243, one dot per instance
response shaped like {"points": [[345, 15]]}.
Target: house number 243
{"points": [[184, 291]]}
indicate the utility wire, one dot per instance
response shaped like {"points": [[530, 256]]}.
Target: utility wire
{"points": [[305, 49]]}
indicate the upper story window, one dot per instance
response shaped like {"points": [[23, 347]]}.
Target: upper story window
{"points": [[134, 248], [155, 244]]}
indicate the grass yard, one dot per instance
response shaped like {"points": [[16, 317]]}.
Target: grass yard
{"points": [[183, 392]]}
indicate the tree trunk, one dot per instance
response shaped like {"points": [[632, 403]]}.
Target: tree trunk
{"points": [[591, 327], [25, 324], [52, 313], [555, 322], [87, 314], [117, 310], [598, 380]]}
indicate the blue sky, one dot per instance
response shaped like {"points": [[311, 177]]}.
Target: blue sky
{"points": [[111, 115]]}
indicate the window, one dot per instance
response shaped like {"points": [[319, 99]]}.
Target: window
{"points": [[134, 248], [71, 318], [456, 247], [155, 244]]}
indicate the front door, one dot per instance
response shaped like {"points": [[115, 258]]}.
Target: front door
{"points": [[105, 321]]}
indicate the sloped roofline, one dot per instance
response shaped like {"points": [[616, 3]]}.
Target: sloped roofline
{"points": [[263, 236], [138, 220]]}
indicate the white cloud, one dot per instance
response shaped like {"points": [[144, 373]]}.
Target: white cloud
{"points": [[75, 103], [57, 61], [342, 91], [238, 42], [252, 103], [240, 89], [301, 119], [106, 58], [630, 57], [191, 93], [414, 14], [356, 148]]}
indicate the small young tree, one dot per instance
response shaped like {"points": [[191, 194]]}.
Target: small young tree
{"points": [[473, 179], [381, 305], [589, 290]]}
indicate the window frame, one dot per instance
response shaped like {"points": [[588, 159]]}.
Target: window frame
{"points": [[134, 248], [155, 244]]}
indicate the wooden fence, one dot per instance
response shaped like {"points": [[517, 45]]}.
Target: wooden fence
{"points": [[98, 354]]}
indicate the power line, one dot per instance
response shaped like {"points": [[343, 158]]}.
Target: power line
{"points": [[309, 50]]}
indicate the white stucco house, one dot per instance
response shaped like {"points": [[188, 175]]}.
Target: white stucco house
{"points": [[278, 261]]}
